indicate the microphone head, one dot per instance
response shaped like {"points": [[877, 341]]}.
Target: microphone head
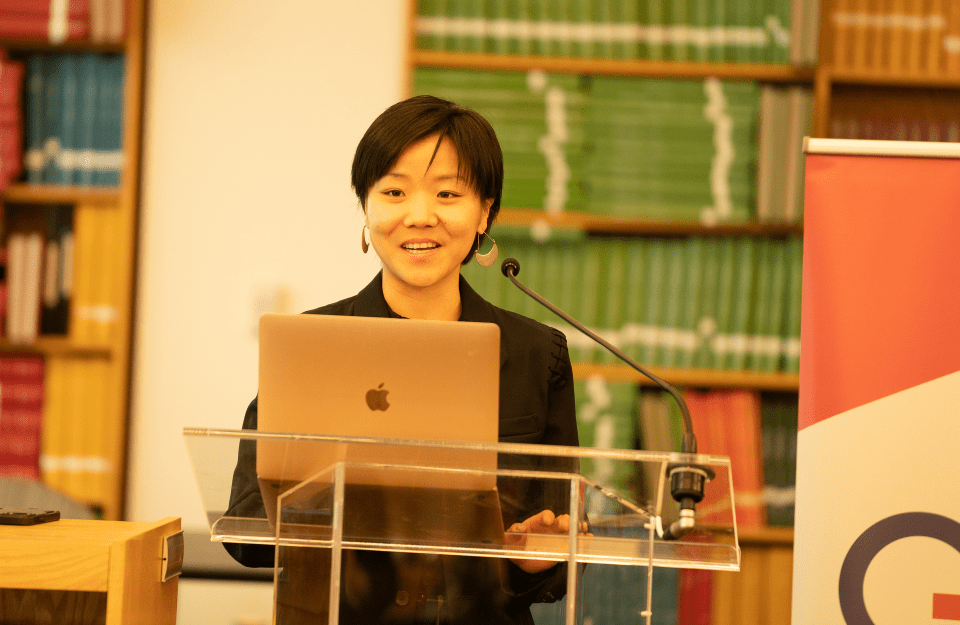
{"points": [[510, 267]]}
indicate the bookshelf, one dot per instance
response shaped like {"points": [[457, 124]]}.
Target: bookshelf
{"points": [[761, 592], [87, 371]]}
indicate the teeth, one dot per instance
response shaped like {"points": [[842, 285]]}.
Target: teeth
{"points": [[420, 246]]}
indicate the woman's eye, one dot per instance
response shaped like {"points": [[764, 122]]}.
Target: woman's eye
{"points": [[446, 195], [393, 192]]}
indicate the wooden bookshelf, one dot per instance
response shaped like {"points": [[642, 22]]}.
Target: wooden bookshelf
{"points": [[59, 346], [612, 67], [48, 194], [589, 222], [766, 536], [886, 82], [692, 378], [96, 368]]}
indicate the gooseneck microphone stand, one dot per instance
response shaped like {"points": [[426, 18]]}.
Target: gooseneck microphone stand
{"points": [[687, 480]]}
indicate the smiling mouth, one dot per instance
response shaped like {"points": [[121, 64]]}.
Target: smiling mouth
{"points": [[420, 247]]}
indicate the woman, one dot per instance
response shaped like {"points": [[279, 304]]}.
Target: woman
{"points": [[429, 177]]}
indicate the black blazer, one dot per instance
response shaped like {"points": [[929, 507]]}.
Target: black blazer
{"points": [[536, 406]]}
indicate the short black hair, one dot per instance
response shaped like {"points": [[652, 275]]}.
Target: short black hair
{"points": [[406, 122]]}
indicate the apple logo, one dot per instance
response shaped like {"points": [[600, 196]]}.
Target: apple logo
{"points": [[377, 398]]}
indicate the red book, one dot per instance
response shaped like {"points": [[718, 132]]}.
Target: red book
{"points": [[740, 413], [708, 427], [21, 415], [694, 597], [75, 8], [28, 26]]}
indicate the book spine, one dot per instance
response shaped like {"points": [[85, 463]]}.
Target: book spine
{"points": [[36, 118], [667, 353], [655, 30], [743, 305], [727, 250], [65, 158], [656, 263], [86, 120], [54, 414], [613, 292], [791, 347]]}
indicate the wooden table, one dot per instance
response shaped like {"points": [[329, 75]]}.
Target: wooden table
{"points": [[72, 571]]}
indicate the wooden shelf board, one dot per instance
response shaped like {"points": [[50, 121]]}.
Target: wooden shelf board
{"points": [[886, 79], [59, 346], [613, 67], [692, 377], [38, 45], [766, 536], [51, 194], [589, 222]]}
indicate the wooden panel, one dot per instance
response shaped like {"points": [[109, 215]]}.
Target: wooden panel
{"points": [[135, 593]]}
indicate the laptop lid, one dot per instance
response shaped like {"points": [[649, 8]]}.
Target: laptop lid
{"points": [[376, 377]]}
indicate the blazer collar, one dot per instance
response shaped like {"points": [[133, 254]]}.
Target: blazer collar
{"points": [[371, 303]]}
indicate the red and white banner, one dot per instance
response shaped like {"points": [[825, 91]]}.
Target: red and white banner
{"points": [[878, 473]]}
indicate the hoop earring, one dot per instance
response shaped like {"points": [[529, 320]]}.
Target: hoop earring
{"points": [[485, 260], [363, 240]]}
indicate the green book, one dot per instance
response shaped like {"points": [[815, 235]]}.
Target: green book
{"points": [[743, 304], [690, 302], [428, 19], [607, 418], [496, 30], [614, 290], [770, 340], [707, 317], [757, 329], [588, 307], [635, 296], [677, 20], [700, 30], [654, 305], [655, 23], [791, 335], [559, 38], [624, 31], [520, 39], [601, 19], [725, 301], [655, 435], [581, 27], [668, 349]]}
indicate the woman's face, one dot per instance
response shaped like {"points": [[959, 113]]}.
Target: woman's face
{"points": [[423, 219]]}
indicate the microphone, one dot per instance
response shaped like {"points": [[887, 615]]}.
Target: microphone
{"points": [[687, 481]]}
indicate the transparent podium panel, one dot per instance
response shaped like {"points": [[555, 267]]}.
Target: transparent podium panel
{"points": [[372, 530]]}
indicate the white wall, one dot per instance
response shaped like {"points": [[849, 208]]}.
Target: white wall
{"points": [[253, 111]]}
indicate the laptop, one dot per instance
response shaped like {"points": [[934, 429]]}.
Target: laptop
{"points": [[376, 377]]}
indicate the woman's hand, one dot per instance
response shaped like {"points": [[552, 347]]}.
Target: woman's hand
{"points": [[545, 522]]}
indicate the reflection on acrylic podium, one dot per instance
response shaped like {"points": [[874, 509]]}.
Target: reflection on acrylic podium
{"points": [[421, 530]]}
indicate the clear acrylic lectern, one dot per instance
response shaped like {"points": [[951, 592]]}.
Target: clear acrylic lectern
{"points": [[350, 519]]}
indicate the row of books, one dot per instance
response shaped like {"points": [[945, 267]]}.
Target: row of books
{"points": [[773, 31], [758, 594], [21, 414], [786, 117], [729, 303], [59, 277], [681, 149], [11, 120], [758, 434], [609, 593], [910, 37], [74, 119], [877, 127], [76, 442], [57, 21]]}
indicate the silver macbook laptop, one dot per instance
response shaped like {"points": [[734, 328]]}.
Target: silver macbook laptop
{"points": [[375, 377]]}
